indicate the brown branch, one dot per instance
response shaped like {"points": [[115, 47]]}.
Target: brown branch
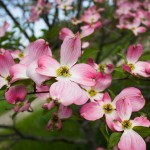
{"points": [[14, 20]]}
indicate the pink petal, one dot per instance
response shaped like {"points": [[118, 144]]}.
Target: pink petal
{"points": [[106, 98], [126, 68], [91, 111], [92, 63], [130, 140], [47, 66], [140, 69], [65, 92], [134, 52], [103, 81], [141, 121], [83, 74], [86, 30], [32, 74], [64, 32], [124, 109], [134, 95], [49, 105], [16, 93], [83, 99], [111, 118], [43, 88], [64, 112], [6, 61], [70, 50], [18, 72], [35, 50], [117, 126]]}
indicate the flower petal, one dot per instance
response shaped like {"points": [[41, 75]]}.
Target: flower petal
{"points": [[134, 52], [35, 50], [134, 95], [124, 109], [83, 74], [65, 92], [70, 50], [141, 121], [16, 93], [47, 66], [3, 82], [130, 140], [32, 74], [91, 111]]}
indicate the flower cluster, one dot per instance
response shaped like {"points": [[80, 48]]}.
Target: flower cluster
{"points": [[133, 15], [67, 82]]}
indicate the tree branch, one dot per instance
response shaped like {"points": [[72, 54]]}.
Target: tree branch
{"points": [[14, 20]]}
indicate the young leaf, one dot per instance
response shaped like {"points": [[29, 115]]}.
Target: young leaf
{"points": [[114, 139], [104, 131], [143, 131]]}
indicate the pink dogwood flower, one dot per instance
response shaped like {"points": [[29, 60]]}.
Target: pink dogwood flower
{"points": [[22, 106], [3, 29], [6, 62], [16, 94], [26, 69], [65, 4], [95, 92], [97, 109], [67, 69], [129, 140], [134, 66], [105, 68]]}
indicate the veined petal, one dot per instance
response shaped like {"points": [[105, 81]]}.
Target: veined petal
{"points": [[111, 118], [47, 66], [103, 81], [141, 121], [106, 98], [83, 74], [16, 93], [65, 92], [83, 99], [35, 50], [135, 97], [140, 69], [65, 32], [130, 140], [18, 72], [6, 61], [134, 52], [36, 77], [91, 111], [124, 109], [70, 50]]}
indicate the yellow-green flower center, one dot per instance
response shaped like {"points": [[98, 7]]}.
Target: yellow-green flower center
{"points": [[92, 93], [21, 55], [126, 124], [63, 71], [108, 108], [131, 66], [101, 68]]}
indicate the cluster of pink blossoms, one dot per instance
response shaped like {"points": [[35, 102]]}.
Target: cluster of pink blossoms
{"points": [[133, 15], [75, 83], [41, 7]]}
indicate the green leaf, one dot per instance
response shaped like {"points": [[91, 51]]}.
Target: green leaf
{"points": [[143, 131], [112, 93], [114, 139], [104, 130]]}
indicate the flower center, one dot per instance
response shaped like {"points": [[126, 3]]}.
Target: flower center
{"points": [[126, 124], [131, 66], [108, 108], [101, 68], [21, 55], [63, 71], [92, 93], [8, 78]]}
